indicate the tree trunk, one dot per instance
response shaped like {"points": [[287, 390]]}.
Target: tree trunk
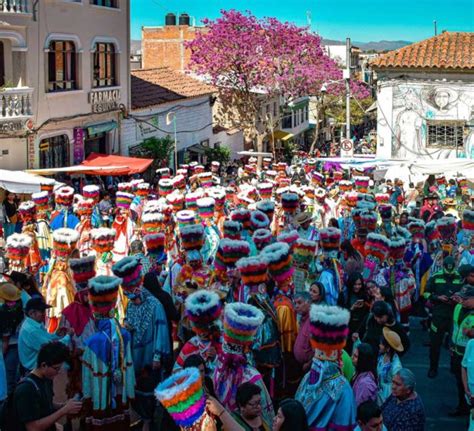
{"points": [[260, 137], [316, 133]]}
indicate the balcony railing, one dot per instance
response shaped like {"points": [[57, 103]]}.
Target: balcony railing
{"points": [[15, 103], [14, 6]]}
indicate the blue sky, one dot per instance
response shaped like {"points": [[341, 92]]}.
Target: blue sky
{"points": [[362, 20]]}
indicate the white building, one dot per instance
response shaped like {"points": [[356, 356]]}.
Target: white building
{"points": [[162, 99], [425, 99], [64, 74]]}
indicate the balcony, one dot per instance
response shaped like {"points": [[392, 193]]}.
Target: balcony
{"points": [[15, 104], [14, 6]]}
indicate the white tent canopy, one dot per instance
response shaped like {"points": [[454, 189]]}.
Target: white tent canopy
{"points": [[22, 182]]}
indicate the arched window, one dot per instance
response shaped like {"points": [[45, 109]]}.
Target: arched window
{"points": [[104, 65], [62, 66]]}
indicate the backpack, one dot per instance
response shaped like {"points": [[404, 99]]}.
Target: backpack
{"points": [[9, 421]]}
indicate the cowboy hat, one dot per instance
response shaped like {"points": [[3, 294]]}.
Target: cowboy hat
{"points": [[302, 218], [393, 339], [9, 292]]}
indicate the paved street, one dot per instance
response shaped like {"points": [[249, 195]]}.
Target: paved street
{"points": [[439, 395]]}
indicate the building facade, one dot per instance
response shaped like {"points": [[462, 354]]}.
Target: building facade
{"points": [[163, 46], [425, 99], [64, 67]]}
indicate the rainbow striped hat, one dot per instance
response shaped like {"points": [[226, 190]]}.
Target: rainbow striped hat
{"points": [[64, 196], [103, 294], [124, 199], [91, 192], [27, 211], [129, 270], [203, 308], [253, 270], [259, 220], [83, 270], [241, 322], [182, 394], [41, 200], [329, 329], [232, 229], [206, 207], [280, 261]]}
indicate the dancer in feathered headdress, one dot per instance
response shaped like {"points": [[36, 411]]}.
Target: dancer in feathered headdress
{"points": [[28, 214], [43, 230], [326, 395], [331, 276], [206, 211], [203, 309], [107, 362], [84, 209], [466, 239], [63, 216], [123, 225], [58, 286], [241, 322]]}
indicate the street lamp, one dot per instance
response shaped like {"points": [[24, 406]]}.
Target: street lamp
{"points": [[168, 122]]}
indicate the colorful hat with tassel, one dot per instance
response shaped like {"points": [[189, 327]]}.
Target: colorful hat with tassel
{"points": [[262, 238], [91, 192], [267, 207], [253, 270], [468, 221], [41, 200], [385, 211], [417, 229], [304, 252], [164, 172], [64, 241], [176, 200], [398, 246], [241, 322], [447, 228], [329, 330], [103, 294], [289, 238], [382, 198], [369, 220], [290, 202], [265, 190], [232, 229], [125, 187], [64, 196], [27, 211], [84, 207], [103, 239], [431, 232], [203, 308], [18, 246], [229, 251], [317, 178], [182, 395], [219, 196], [351, 199], [155, 243], [179, 181], [362, 184], [152, 222], [330, 241], [83, 270], [345, 186], [129, 270], [258, 220], [241, 215], [280, 261], [192, 237], [143, 189], [165, 186], [191, 200], [205, 179], [185, 218], [123, 199], [206, 207]]}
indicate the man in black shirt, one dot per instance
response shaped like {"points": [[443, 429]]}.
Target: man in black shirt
{"points": [[33, 405]]}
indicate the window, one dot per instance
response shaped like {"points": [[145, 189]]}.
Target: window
{"points": [[286, 120], [2, 65], [105, 3], [445, 134], [302, 115], [104, 65], [54, 152], [62, 68], [275, 110]]}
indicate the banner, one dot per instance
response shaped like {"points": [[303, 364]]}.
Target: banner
{"points": [[78, 153]]}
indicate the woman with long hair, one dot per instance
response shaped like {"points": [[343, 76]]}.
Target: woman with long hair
{"points": [[352, 259], [291, 416], [364, 382]]}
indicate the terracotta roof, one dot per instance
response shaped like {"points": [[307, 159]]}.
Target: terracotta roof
{"points": [[150, 87], [448, 50]]}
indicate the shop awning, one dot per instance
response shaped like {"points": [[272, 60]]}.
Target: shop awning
{"points": [[96, 129], [22, 182], [280, 135], [128, 165]]}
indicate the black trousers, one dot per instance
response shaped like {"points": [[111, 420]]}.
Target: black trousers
{"points": [[437, 333], [456, 369]]}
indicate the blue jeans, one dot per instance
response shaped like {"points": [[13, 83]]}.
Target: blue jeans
{"points": [[12, 363]]}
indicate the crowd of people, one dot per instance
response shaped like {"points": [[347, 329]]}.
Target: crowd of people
{"points": [[279, 299]]}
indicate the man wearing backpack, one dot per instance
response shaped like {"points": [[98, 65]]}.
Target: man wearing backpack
{"points": [[32, 407]]}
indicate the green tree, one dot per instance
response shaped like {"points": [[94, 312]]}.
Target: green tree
{"points": [[218, 154], [159, 149]]}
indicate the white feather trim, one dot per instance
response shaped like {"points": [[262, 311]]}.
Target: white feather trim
{"points": [[102, 232], [201, 301], [92, 188], [176, 384], [150, 217], [244, 262], [185, 215], [275, 252], [206, 202], [329, 315], [66, 235], [19, 240], [244, 314], [39, 195], [64, 191], [26, 206], [194, 229]]}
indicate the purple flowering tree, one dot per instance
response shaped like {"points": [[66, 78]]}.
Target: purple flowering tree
{"points": [[257, 62]]}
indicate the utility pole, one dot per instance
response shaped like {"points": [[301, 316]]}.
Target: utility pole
{"points": [[347, 77], [435, 27]]}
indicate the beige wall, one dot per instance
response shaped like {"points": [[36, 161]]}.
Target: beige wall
{"points": [[27, 39]]}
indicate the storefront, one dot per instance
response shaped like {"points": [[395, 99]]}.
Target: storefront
{"points": [[54, 152], [98, 138]]}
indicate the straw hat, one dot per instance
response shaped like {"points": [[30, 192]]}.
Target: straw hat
{"points": [[449, 202], [302, 218], [393, 339], [9, 292]]}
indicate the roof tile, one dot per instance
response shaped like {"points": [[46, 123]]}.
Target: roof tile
{"points": [[448, 50], [151, 87]]}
